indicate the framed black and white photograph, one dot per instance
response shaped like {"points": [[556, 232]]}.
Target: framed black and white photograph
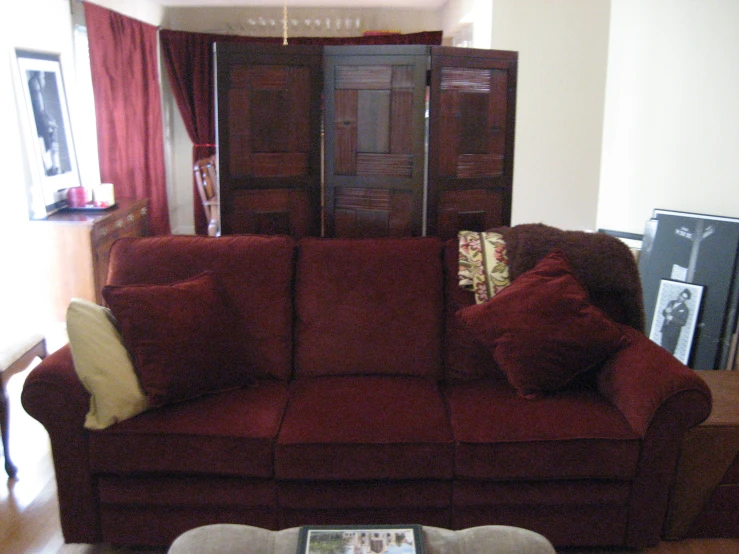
{"points": [[47, 132], [675, 317], [357, 539], [696, 249]]}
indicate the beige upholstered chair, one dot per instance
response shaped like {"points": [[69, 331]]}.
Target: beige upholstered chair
{"points": [[205, 175]]}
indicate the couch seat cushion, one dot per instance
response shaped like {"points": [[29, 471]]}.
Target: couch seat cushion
{"points": [[364, 428], [387, 293], [573, 434], [229, 433]]}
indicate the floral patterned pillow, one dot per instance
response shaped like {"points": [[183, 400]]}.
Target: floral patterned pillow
{"points": [[483, 264]]}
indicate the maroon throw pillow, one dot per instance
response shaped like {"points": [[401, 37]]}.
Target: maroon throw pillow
{"points": [[542, 330], [180, 337]]}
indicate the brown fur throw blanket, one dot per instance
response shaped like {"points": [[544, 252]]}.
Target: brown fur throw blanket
{"points": [[604, 264]]}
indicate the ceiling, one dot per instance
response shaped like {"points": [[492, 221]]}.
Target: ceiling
{"points": [[405, 4]]}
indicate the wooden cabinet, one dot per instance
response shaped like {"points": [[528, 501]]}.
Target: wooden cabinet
{"points": [[76, 246], [417, 139], [704, 502]]}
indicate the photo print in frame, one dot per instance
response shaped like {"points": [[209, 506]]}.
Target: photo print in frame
{"points": [[675, 317], [696, 249], [360, 539], [47, 131]]}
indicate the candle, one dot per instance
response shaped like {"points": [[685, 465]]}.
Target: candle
{"points": [[104, 195], [76, 197]]}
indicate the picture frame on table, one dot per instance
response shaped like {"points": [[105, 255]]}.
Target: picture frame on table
{"points": [[360, 539], [47, 131], [676, 316], [699, 249]]}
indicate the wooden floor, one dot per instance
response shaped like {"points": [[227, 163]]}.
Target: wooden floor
{"points": [[29, 520]]}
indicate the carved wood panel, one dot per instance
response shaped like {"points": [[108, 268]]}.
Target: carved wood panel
{"points": [[272, 212], [471, 134], [269, 143], [374, 120], [366, 212], [471, 210]]}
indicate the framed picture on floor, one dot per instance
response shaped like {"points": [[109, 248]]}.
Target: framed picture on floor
{"points": [[696, 249], [47, 131], [360, 539], [675, 317]]}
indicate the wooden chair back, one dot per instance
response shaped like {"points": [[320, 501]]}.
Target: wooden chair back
{"points": [[205, 176]]}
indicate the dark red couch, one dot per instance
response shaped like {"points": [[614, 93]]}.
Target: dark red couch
{"points": [[373, 405]]}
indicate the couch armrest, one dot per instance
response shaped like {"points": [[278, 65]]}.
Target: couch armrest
{"points": [[643, 376], [54, 396], [662, 399]]}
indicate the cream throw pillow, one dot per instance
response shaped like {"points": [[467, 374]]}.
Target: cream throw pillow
{"points": [[103, 365]]}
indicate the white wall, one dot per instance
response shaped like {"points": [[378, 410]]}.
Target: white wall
{"points": [[148, 11], [42, 25], [671, 132], [476, 13], [178, 153], [563, 50], [45, 26], [314, 21]]}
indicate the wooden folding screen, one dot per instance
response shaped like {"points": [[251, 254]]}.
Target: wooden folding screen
{"points": [[375, 99], [471, 132], [269, 138], [385, 174]]}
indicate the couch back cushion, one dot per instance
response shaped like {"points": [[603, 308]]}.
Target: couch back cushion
{"points": [[369, 307], [255, 273]]}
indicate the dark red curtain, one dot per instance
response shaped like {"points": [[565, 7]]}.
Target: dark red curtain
{"points": [[189, 61], [124, 66]]}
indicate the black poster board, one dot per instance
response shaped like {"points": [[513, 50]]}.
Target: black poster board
{"points": [[702, 250]]}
